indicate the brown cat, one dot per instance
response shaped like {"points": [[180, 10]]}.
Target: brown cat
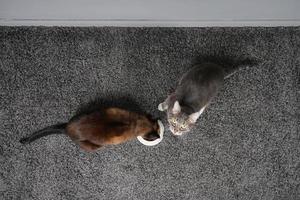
{"points": [[106, 126]]}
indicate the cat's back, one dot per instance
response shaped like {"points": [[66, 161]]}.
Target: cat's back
{"points": [[102, 123], [199, 85], [203, 73]]}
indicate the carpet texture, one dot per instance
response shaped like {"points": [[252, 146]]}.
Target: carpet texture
{"points": [[246, 144]]}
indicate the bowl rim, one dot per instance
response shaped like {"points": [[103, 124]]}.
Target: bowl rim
{"points": [[154, 142]]}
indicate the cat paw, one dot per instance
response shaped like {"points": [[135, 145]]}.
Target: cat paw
{"points": [[160, 107]]}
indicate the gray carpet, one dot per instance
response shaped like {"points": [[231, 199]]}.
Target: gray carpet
{"points": [[246, 145]]}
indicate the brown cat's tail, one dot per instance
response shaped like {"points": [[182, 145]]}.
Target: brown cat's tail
{"points": [[55, 129]]}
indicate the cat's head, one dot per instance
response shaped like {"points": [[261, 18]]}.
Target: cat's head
{"points": [[153, 134], [179, 121]]}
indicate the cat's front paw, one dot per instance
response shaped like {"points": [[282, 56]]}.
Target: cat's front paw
{"points": [[160, 107]]}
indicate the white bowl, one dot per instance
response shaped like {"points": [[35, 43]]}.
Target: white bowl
{"points": [[154, 142]]}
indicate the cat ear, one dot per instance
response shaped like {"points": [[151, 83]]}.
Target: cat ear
{"points": [[193, 117], [176, 108]]}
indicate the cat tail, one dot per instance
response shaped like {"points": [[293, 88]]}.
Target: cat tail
{"points": [[243, 65], [55, 129]]}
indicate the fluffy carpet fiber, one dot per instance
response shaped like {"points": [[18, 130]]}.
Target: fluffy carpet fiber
{"points": [[246, 144]]}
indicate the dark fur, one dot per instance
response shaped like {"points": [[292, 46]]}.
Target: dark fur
{"points": [[107, 126], [50, 130]]}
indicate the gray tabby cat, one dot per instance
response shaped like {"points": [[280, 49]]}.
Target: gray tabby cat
{"points": [[195, 91]]}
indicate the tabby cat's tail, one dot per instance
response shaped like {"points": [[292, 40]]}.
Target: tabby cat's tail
{"points": [[243, 65], [55, 129]]}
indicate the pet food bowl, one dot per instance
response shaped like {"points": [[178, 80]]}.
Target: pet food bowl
{"points": [[154, 142]]}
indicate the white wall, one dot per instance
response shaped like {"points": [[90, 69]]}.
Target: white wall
{"points": [[150, 12]]}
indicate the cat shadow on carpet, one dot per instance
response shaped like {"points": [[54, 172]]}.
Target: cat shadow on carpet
{"points": [[123, 102]]}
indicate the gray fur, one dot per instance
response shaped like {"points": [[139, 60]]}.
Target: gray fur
{"points": [[194, 92]]}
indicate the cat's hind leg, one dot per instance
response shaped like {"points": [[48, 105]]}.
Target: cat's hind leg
{"points": [[88, 146]]}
